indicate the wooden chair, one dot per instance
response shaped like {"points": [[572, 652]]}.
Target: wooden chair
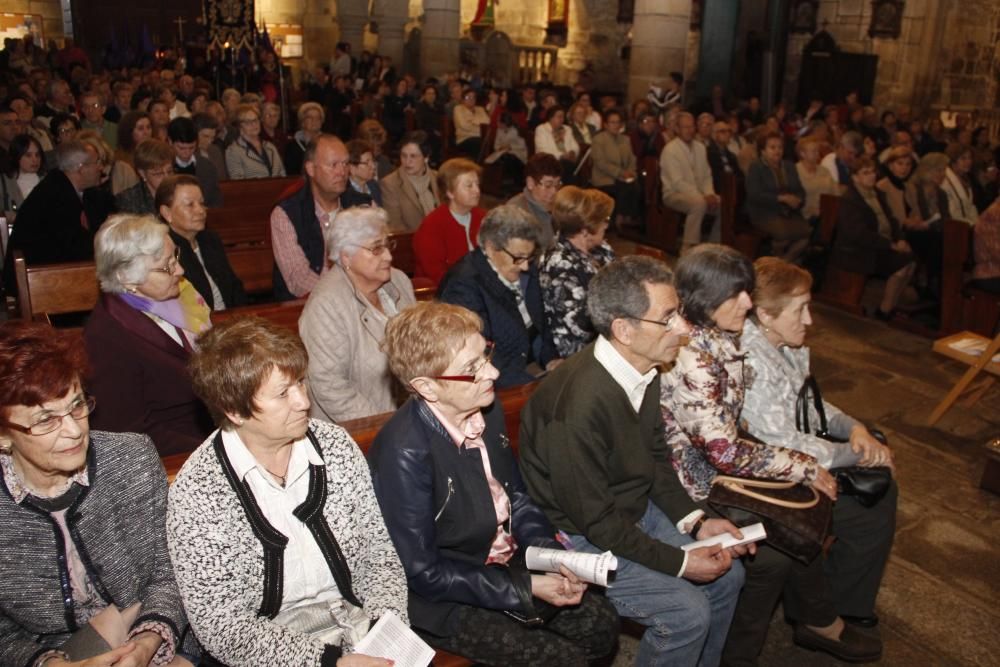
{"points": [[54, 289], [840, 288]]}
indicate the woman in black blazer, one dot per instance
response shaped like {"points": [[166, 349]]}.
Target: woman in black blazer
{"points": [[180, 203], [869, 239]]}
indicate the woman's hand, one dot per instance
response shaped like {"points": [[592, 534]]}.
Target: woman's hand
{"points": [[115, 657], [825, 483], [873, 452], [558, 589], [359, 660]]}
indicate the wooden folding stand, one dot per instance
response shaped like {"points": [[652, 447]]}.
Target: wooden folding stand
{"points": [[977, 363]]}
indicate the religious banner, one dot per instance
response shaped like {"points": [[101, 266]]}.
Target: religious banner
{"points": [[485, 13], [230, 21]]}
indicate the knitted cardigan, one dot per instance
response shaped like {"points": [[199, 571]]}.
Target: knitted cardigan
{"points": [[117, 525], [219, 558]]}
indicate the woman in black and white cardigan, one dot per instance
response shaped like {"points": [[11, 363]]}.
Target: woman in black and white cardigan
{"points": [[272, 524]]}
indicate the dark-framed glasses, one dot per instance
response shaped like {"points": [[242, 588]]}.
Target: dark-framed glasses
{"points": [[668, 324], [520, 259], [78, 409], [171, 264], [474, 369]]}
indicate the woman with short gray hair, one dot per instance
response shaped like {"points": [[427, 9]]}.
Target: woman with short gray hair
{"points": [[344, 320], [499, 282], [139, 337]]}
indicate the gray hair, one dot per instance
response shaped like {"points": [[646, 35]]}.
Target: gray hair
{"points": [[70, 155], [618, 291], [354, 228], [509, 222], [854, 141], [125, 248]]}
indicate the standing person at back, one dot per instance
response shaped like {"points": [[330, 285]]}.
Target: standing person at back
{"points": [[298, 222], [687, 183]]}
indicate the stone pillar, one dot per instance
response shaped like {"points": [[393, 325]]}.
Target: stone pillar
{"points": [[439, 40], [659, 42], [392, 16], [352, 16]]}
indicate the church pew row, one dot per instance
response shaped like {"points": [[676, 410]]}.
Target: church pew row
{"points": [[963, 307], [842, 289]]}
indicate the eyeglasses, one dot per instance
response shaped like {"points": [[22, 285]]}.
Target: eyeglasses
{"points": [[668, 324], [550, 184], [78, 410], [171, 265], [474, 369], [520, 259], [380, 247]]}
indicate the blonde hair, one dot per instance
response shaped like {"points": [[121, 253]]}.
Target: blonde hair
{"points": [[424, 338], [575, 209]]}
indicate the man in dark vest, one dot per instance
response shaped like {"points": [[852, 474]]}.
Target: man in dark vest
{"points": [[299, 222]]}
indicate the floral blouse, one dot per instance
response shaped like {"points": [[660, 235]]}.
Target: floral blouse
{"points": [[701, 398], [565, 273]]}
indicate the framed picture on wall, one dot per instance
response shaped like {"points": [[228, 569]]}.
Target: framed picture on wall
{"points": [[887, 18], [803, 17]]}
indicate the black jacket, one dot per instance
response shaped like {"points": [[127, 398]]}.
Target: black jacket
{"points": [[718, 160], [216, 264], [857, 239], [439, 512], [474, 284]]}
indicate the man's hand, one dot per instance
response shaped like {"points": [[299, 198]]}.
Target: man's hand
{"points": [[712, 527], [873, 452], [707, 563]]}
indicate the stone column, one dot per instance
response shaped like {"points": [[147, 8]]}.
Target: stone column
{"points": [[352, 16], [439, 40], [659, 42], [392, 16]]}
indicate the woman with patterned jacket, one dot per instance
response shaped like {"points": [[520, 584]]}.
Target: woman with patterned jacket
{"points": [[277, 542], [580, 218], [701, 400]]}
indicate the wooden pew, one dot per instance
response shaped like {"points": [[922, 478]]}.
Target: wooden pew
{"points": [[243, 220], [254, 265], [255, 191], [840, 288], [662, 225], [283, 313], [402, 256], [743, 237], [54, 289], [963, 308]]}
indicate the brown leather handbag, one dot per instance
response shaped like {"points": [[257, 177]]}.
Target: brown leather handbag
{"points": [[795, 516]]}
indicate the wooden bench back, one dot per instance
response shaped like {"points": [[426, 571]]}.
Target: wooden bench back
{"points": [[403, 257], [256, 191], [828, 207], [241, 225], [283, 313], [254, 265], [956, 254], [53, 289]]}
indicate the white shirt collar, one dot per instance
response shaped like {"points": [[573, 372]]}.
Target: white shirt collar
{"points": [[628, 378], [243, 462]]}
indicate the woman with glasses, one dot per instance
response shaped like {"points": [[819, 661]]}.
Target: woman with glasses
{"points": [[499, 282], [82, 517], [362, 171], [467, 520], [250, 156], [344, 320], [701, 398], [153, 161], [141, 333]]}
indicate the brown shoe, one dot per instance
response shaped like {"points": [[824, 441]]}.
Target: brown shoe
{"points": [[853, 645]]}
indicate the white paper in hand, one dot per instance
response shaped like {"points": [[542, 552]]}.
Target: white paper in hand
{"points": [[592, 568], [391, 639], [752, 533]]}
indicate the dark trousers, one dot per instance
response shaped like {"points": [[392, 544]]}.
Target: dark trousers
{"points": [[770, 574], [627, 196], [855, 563], [574, 636]]}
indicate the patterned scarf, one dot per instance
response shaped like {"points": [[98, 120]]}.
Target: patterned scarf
{"points": [[188, 311]]}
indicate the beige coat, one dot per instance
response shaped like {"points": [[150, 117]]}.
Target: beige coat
{"points": [[349, 375], [400, 200], [612, 155]]}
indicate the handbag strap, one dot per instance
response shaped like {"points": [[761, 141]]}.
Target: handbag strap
{"points": [[739, 485], [809, 385]]}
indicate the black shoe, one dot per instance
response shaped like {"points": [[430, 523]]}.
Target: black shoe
{"points": [[883, 316], [853, 645], [862, 621]]}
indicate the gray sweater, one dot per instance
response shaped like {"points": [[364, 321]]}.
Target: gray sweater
{"points": [[118, 526]]}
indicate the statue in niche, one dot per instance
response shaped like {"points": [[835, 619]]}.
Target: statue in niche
{"points": [[558, 28], [887, 18]]}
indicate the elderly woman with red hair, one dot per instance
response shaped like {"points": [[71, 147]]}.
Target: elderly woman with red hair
{"points": [[82, 532]]}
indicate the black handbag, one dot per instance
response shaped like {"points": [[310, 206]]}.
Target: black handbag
{"points": [[795, 516], [866, 484]]}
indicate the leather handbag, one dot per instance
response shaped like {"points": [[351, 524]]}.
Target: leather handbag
{"points": [[795, 516], [866, 484]]}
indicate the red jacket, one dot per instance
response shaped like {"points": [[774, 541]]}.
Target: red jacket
{"points": [[440, 242]]}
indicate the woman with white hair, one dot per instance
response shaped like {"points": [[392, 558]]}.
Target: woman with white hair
{"points": [[311, 117], [343, 322], [140, 335]]}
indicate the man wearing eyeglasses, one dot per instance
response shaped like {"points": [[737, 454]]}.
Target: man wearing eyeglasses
{"points": [[92, 107], [542, 180], [594, 459]]}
